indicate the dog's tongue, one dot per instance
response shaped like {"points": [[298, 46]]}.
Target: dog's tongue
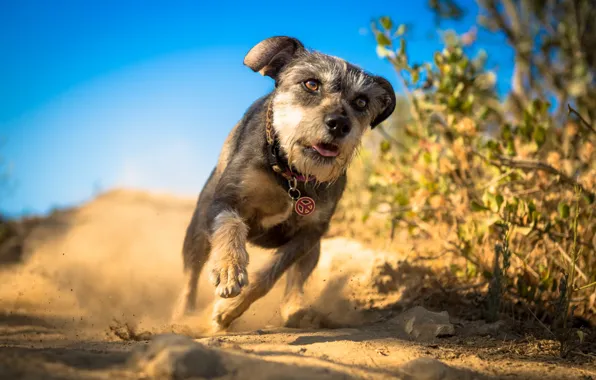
{"points": [[326, 150]]}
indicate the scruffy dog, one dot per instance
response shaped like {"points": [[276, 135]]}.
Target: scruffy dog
{"points": [[280, 175]]}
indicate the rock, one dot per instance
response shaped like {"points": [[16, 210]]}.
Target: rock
{"points": [[432, 369], [173, 356], [424, 325]]}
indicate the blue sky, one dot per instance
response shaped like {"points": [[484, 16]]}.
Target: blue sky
{"points": [[141, 94]]}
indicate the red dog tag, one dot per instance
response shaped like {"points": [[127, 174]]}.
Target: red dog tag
{"points": [[304, 206]]}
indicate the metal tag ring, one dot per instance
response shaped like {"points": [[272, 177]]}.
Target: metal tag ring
{"points": [[294, 193], [292, 183]]}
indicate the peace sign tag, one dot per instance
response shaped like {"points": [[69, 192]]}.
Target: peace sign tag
{"points": [[304, 206]]}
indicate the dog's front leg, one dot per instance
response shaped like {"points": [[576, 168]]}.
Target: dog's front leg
{"points": [[226, 311], [228, 250], [293, 309]]}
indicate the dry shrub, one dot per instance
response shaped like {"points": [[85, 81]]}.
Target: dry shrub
{"points": [[510, 199]]}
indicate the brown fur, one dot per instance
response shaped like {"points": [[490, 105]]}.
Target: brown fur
{"points": [[230, 259]]}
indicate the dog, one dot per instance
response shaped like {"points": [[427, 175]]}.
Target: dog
{"points": [[279, 177]]}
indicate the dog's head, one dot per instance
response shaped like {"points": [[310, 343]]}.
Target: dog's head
{"points": [[321, 106]]}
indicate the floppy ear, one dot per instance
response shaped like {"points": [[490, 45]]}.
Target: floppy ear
{"points": [[269, 56], [389, 102]]}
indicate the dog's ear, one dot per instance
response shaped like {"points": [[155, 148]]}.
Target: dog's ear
{"points": [[389, 101], [269, 56]]}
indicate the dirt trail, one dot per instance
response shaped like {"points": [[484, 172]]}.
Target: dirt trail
{"points": [[115, 262]]}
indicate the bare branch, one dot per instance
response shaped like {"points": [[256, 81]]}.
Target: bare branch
{"points": [[387, 136], [529, 165], [583, 121]]}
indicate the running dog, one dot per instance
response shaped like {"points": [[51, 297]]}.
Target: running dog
{"points": [[279, 177]]}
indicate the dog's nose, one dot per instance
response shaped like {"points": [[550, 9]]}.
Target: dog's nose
{"points": [[338, 125]]}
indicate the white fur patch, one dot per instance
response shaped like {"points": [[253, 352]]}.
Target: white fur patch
{"points": [[359, 81], [286, 117]]}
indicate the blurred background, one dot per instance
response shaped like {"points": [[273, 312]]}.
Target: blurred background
{"points": [[141, 94], [484, 177]]}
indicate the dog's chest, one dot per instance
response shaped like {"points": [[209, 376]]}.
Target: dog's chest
{"points": [[264, 201], [269, 220], [267, 204]]}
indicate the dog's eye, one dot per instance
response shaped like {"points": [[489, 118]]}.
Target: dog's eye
{"points": [[311, 85], [360, 103]]}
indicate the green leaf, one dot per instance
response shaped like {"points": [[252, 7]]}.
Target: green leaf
{"points": [[463, 64], [491, 202], [415, 76], [383, 40], [492, 145], [506, 132], [386, 22], [539, 106], [512, 207], [365, 217], [383, 52], [483, 113], [531, 206], [401, 30], [499, 200], [563, 210], [402, 47], [385, 146], [539, 135], [477, 206], [458, 89], [523, 230], [581, 335], [511, 148]]}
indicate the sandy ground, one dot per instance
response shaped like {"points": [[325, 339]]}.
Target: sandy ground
{"points": [[100, 280]]}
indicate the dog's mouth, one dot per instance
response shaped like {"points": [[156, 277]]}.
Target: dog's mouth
{"points": [[326, 149]]}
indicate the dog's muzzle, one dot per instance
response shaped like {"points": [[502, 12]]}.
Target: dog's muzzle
{"points": [[338, 125]]}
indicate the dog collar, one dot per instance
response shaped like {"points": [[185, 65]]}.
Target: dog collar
{"points": [[276, 161]]}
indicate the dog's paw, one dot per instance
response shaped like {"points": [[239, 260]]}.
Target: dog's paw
{"points": [[218, 326], [220, 323], [225, 312], [229, 279]]}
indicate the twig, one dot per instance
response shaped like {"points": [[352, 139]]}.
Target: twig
{"points": [[564, 236], [586, 286], [528, 165], [496, 180], [407, 208], [584, 354], [575, 252], [570, 260], [553, 234], [526, 192], [539, 321], [413, 108], [527, 266], [466, 287], [393, 140], [583, 121], [437, 256]]}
